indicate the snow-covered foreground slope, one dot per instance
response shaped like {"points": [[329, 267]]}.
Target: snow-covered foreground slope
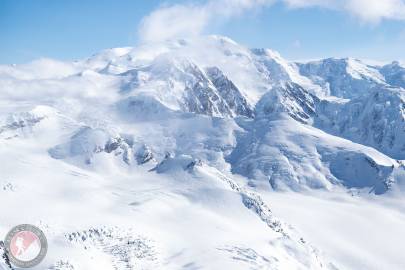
{"points": [[176, 156], [180, 215], [360, 233]]}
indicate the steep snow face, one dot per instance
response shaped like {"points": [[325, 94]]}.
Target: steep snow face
{"points": [[290, 98], [272, 65], [230, 93], [278, 71], [181, 85], [142, 108], [289, 155], [377, 120], [344, 78], [394, 74]]}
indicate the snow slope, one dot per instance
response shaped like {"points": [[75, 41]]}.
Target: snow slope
{"points": [[360, 233], [108, 215]]}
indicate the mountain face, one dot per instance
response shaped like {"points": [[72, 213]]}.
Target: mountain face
{"points": [[236, 102], [180, 84], [376, 120], [344, 78], [394, 74], [292, 99], [167, 156]]}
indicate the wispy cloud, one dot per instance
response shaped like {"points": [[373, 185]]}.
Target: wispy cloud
{"points": [[173, 21], [370, 11], [190, 19]]}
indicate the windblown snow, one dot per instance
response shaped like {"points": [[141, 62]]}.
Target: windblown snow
{"points": [[203, 154]]}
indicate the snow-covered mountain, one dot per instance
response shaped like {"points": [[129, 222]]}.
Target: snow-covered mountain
{"points": [[344, 78], [170, 155], [394, 74]]}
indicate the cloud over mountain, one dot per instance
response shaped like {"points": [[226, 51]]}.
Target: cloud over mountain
{"points": [[190, 19]]}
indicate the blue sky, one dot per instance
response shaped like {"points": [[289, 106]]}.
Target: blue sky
{"points": [[73, 29]]}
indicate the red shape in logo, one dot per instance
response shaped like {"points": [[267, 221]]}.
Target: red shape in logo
{"points": [[25, 245]]}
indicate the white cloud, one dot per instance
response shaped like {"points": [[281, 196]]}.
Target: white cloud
{"points": [[173, 21], [192, 19], [309, 3], [366, 10], [182, 20], [375, 10]]}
